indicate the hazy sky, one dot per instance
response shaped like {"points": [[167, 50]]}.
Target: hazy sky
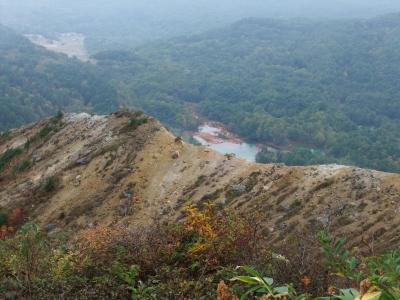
{"points": [[284, 8], [33, 12], [138, 21]]}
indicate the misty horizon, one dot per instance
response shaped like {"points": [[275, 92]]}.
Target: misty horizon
{"points": [[141, 21]]}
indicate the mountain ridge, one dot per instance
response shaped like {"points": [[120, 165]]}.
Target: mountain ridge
{"points": [[127, 169]]}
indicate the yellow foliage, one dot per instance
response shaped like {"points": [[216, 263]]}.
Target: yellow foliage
{"points": [[197, 248], [219, 236], [369, 296], [200, 221], [62, 263]]}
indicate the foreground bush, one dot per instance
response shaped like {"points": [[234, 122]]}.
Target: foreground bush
{"points": [[196, 259]]}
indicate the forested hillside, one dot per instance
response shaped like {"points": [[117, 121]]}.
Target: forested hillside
{"points": [[36, 83], [320, 91]]}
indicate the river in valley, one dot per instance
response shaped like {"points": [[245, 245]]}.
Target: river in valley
{"points": [[217, 137]]}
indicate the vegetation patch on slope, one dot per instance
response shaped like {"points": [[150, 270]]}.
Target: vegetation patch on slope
{"points": [[192, 260]]}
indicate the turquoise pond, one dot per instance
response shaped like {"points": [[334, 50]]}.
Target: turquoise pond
{"points": [[242, 150]]}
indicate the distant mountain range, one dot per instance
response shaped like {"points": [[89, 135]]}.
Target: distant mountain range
{"points": [[126, 23]]}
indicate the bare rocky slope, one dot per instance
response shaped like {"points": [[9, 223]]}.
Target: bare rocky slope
{"points": [[78, 170]]}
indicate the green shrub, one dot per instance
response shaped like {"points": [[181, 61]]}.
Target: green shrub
{"points": [[3, 218], [135, 123], [265, 286], [8, 155], [4, 135], [23, 165], [58, 117], [338, 258], [52, 126], [61, 215], [43, 132], [379, 273], [23, 256], [130, 276], [185, 261], [27, 144], [50, 184]]}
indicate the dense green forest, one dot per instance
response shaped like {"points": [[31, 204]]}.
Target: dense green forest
{"points": [[324, 91], [35, 83], [320, 92]]}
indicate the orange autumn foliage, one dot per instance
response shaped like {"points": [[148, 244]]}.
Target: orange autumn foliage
{"points": [[15, 217], [97, 244], [200, 221], [219, 236], [222, 291]]}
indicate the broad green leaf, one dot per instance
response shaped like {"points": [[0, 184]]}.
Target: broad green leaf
{"points": [[268, 280], [247, 279], [249, 292], [348, 294], [281, 289], [251, 271]]}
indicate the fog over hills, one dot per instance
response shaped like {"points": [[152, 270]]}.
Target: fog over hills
{"points": [[122, 23]]}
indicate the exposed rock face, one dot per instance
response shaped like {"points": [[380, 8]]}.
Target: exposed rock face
{"points": [[107, 172]]}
